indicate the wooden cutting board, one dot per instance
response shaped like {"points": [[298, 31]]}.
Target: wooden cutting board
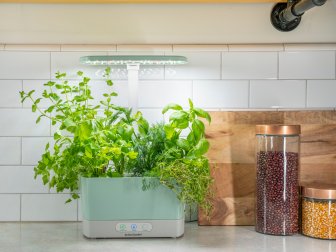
{"points": [[232, 154]]}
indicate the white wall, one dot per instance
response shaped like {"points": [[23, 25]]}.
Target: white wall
{"points": [[158, 24], [221, 77]]}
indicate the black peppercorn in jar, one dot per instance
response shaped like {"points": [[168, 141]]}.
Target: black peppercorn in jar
{"points": [[277, 185]]}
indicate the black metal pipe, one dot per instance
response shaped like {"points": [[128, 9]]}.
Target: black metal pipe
{"points": [[297, 9], [286, 17]]}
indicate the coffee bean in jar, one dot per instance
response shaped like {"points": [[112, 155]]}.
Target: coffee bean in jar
{"points": [[277, 188]]}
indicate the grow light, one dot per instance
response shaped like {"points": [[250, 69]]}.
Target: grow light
{"points": [[133, 63]]}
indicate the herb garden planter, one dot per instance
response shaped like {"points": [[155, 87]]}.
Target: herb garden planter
{"points": [[119, 207]]}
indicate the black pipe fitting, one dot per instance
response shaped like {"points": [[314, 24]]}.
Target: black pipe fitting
{"points": [[287, 16]]}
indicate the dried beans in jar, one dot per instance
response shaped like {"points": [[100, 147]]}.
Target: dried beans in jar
{"points": [[277, 188]]}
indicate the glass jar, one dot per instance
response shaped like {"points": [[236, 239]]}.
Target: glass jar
{"points": [[319, 211], [277, 186]]}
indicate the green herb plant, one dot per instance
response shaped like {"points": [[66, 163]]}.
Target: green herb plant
{"points": [[179, 163], [91, 140], [107, 140]]}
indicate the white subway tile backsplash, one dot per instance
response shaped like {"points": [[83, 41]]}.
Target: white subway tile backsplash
{"points": [[307, 65], [200, 48], [256, 48], [22, 122], [277, 94], [38, 86], [47, 207], [221, 94], [201, 65], [218, 77], [33, 148], [159, 93], [10, 207], [321, 93], [20, 179], [144, 48], [10, 149], [88, 48], [34, 48], [69, 63], [24, 65], [249, 65], [9, 93]]}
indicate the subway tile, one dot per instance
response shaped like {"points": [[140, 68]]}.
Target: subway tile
{"points": [[24, 65], [256, 48], [321, 93], [10, 149], [20, 179], [159, 93], [22, 122], [200, 66], [307, 65], [48, 207], [33, 148], [249, 65], [69, 62], [9, 95], [221, 94], [277, 94], [38, 86], [310, 47], [88, 48], [200, 48], [146, 48], [10, 207], [152, 115], [34, 48]]}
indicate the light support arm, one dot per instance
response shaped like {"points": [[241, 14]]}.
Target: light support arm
{"points": [[133, 83], [287, 16]]}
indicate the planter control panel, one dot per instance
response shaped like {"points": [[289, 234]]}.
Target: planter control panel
{"points": [[133, 227]]}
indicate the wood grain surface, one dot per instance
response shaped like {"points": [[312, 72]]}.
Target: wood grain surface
{"points": [[232, 155]]}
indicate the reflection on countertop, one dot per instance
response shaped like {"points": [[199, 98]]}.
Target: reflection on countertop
{"points": [[67, 236]]}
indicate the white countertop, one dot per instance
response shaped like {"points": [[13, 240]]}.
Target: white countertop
{"points": [[67, 237]]}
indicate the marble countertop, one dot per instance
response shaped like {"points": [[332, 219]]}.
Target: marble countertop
{"points": [[67, 236]]}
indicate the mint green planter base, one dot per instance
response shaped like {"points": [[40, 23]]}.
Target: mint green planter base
{"points": [[133, 228], [118, 207]]}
